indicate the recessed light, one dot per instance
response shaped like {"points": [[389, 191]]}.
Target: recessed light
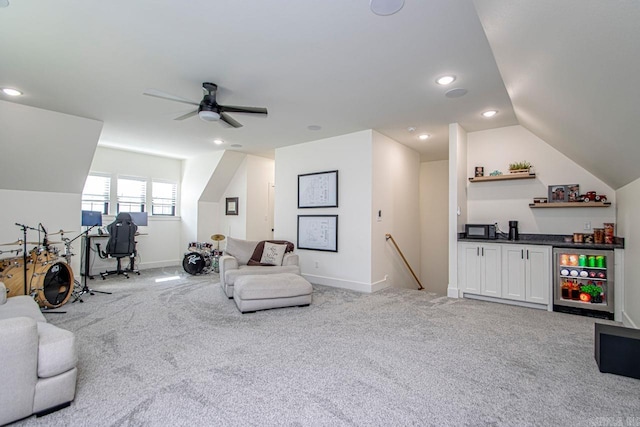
{"points": [[385, 7], [489, 113], [218, 141], [445, 80], [11, 92], [411, 129], [314, 127], [455, 93], [424, 136]]}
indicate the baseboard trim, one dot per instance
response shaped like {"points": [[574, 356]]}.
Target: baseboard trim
{"points": [[506, 301], [345, 284], [159, 264], [453, 293], [626, 321]]}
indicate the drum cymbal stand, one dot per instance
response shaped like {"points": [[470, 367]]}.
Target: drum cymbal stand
{"points": [[87, 248]]}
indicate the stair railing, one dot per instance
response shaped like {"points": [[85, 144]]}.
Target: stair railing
{"points": [[390, 237]]}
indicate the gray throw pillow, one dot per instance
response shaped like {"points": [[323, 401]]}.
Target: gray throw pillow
{"points": [[240, 249]]}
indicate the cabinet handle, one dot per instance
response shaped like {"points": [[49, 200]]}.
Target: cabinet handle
{"points": [[521, 253], [527, 253], [482, 251], [478, 251]]}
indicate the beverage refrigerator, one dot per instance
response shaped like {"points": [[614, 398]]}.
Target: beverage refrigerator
{"points": [[583, 282]]}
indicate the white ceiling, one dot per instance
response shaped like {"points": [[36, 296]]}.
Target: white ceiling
{"points": [[334, 64]]}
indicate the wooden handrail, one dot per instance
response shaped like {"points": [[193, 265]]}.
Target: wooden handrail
{"points": [[389, 236]]}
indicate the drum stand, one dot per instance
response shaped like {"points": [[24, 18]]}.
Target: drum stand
{"points": [[84, 289]]}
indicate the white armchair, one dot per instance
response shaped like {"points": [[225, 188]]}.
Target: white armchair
{"points": [[239, 254]]}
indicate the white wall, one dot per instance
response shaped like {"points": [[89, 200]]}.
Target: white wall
{"points": [[628, 201], [236, 225], [434, 219], [159, 245], [44, 150], [196, 175], [501, 201], [395, 193], [351, 155], [260, 177], [56, 211]]}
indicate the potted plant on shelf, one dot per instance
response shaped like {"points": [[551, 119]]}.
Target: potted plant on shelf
{"points": [[519, 167], [595, 293]]}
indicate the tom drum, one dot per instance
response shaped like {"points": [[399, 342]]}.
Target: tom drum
{"points": [[12, 274]]}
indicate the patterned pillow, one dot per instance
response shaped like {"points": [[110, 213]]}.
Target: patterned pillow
{"points": [[257, 253], [272, 254]]}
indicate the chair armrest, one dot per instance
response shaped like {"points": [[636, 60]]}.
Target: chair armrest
{"points": [[290, 259], [19, 367], [226, 263]]}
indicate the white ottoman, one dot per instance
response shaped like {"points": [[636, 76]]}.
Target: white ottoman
{"points": [[261, 292]]}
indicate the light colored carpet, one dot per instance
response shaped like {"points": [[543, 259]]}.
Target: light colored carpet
{"points": [[180, 353]]}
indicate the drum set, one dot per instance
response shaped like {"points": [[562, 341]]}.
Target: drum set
{"points": [[201, 257], [42, 272]]}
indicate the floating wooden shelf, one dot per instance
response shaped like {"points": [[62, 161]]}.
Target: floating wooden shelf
{"points": [[505, 177], [571, 205]]}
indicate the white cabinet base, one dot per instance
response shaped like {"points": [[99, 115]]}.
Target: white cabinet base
{"points": [[509, 302]]}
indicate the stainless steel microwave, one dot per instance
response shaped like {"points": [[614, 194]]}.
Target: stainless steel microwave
{"points": [[480, 231]]}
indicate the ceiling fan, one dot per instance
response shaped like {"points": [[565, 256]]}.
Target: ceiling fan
{"points": [[208, 109]]}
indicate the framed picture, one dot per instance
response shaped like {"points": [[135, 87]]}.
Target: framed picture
{"points": [[479, 171], [318, 232], [231, 207], [574, 192], [318, 190], [558, 193]]}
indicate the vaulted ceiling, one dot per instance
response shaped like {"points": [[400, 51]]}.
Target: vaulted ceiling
{"points": [[567, 70]]}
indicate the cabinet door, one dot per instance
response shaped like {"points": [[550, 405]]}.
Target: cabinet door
{"points": [[513, 272], [469, 267], [538, 274], [491, 273]]}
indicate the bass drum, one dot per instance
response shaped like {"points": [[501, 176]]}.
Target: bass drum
{"points": [[12, 274], [195, 262], [52, 284]]}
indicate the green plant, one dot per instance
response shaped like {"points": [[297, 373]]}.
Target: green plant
{"points": [[519, 165], [592, 290]]}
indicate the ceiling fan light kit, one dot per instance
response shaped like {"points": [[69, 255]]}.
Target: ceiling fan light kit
{"points": [[208, 109], [209, 116]]}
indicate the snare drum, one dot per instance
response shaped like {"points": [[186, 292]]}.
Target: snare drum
{"points": [[52, 284], [196, 262]]}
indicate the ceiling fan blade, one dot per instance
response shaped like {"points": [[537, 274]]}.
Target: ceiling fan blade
{"points": [[230, 120], [163, 95], [186, 116], [236, 109]]}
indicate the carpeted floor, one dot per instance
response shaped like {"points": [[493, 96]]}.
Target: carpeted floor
{"points": [[179, 353]]}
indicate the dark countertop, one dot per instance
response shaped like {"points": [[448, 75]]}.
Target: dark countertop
{"points": [[555, 240]]}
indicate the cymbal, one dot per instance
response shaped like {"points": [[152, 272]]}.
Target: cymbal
{"points": [[19, 242], [217, 237], [61, 232]]}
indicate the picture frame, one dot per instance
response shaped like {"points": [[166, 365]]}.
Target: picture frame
{"points": [[479, 171], [318, 190], [318, 232], [558, 194], [231, 206], [574, 192]]}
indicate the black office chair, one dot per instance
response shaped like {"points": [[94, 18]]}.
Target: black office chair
{"points": [[121, 244]]}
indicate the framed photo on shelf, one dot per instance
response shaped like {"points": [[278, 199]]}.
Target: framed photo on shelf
{"points": [[558, 193], [318, 190], [479, 171], [318, 232], [574, 192], [231, 206]]}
